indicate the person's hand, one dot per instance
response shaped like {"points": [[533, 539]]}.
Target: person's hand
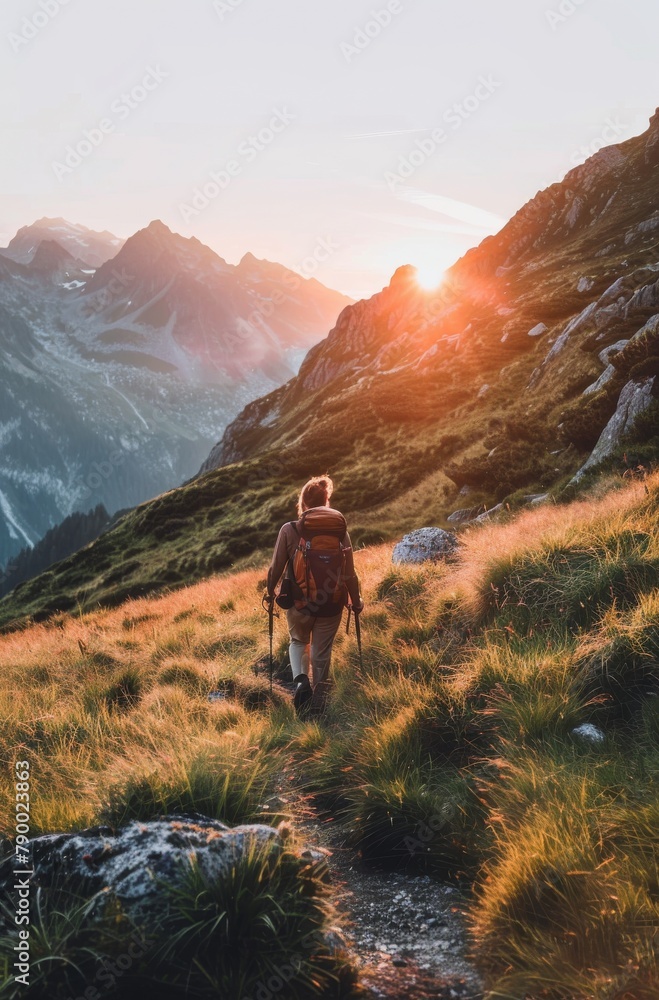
{"points": [[358, 607]]}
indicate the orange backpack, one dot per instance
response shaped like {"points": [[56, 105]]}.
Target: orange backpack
{"points": [[317, 567]]}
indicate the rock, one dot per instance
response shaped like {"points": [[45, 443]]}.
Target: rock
{"points": [[465, 514], [603, 380], [644, 298], [635, 399], [538, 330], [134, 861], [585, 284], [587, 731], [651, 328], [483, 391], [426, 545], [608, 352], [487, 514]]}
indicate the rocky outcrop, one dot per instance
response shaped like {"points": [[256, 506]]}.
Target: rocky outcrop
{"points": [[426, 545], [465, 514], [136, 861], [635, 399]]}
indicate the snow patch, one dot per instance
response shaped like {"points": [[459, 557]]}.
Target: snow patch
{"points": [[13, 525]]}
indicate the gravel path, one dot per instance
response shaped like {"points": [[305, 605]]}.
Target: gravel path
{"points": [[407, 933]]}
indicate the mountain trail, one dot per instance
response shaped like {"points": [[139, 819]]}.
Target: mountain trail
{"points": [[406, 933]]}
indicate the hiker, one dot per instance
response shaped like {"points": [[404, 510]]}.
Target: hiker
{"points": [[316, 553]]}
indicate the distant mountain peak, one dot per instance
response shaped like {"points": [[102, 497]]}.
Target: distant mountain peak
{"points": [[404, 277], [158, 228], [95, 248], [248, 260], [51, 254]]}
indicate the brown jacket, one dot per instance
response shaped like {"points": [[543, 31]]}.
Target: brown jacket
{"points": [[288, 541]]}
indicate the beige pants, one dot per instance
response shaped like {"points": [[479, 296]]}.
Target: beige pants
{"points": [[311, 644]]}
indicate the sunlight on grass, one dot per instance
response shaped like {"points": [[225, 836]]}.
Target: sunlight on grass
{"points": [[453, 751]]}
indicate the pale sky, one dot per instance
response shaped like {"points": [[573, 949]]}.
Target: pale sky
{"points": [[343, 111]]}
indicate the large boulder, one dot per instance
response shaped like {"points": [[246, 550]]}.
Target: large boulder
{"points": [[134, 862], [635, 399], [426, 545]]}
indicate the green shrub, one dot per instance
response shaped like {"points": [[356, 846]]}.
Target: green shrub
{"points": [[267, 920], [416, 820], [214, 784]]}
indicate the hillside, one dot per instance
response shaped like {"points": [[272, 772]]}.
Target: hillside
{"points": [[118, 379], [502, 738], [539, 350]]}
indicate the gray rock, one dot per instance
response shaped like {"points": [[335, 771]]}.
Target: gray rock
{"points": [[587, 731], [649, 328], [465, 514], [425, 545], [538, 330], [612, 349], [134, 861], [635, 399], [649, 226], [643, 298], [487, 514], [585, 284], [603, 380]]}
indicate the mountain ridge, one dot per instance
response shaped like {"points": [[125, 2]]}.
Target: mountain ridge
{"points": [[119, 378], [495, 389]]}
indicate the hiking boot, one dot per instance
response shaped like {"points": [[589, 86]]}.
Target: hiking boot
{"points": [[303, 694]]}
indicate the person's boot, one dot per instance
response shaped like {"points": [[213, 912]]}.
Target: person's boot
{"points": [[319, 699], [303, 694]]}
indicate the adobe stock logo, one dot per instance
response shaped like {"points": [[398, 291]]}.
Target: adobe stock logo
{"points": [[35, 23], [248, 151], [224, 7], [372, 29], [120, 109], [565, 10]]}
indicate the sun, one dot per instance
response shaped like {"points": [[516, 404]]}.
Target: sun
{"points": [[429, 276]]}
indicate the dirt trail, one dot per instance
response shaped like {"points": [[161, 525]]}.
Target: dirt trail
{"points": [[406, 933]]}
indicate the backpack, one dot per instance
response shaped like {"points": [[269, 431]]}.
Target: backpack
{"points": [[317, 568]]}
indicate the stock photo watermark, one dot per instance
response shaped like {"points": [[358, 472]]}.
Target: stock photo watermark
{"points": [[224, 7], [455, 117], [33, 24], [307, 268], [22, 871], [611, 133], [248, 151], [120, 109], [99, 301], [365, 34], [563, 12], [268, 989]]}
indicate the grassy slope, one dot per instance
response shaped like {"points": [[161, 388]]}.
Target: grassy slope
{"points": [[452, 751], [390, 437]]}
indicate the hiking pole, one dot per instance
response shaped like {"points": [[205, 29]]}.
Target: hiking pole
{"points": [[270, 602], [358, 633]]}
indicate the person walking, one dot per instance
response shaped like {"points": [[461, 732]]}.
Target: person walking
{"points": [[316, 555]]}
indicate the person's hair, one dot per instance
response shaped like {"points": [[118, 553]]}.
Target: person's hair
{"points": [[316, 493]]}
